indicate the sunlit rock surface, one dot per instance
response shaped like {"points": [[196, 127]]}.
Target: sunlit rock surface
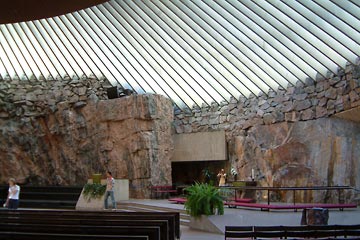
{"points": [[130, 136], [322, 152]]}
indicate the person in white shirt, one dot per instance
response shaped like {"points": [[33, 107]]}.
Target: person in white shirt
{"points": [[12, 201], [110, 182]]}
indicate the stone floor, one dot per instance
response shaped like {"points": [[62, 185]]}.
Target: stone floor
{"points": [[247, 217]]}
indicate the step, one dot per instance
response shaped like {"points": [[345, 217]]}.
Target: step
{"points": [[154, 207], [148, 208], [138, 207]]}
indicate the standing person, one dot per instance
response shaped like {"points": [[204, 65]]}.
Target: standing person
{"points": [[12, 201], [222, 176], [110, 183]]}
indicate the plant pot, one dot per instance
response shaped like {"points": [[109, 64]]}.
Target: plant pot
{"points": [[96, 177], [206, 223]]}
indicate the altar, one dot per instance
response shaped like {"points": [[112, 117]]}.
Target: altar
{"points": [[244, 193]]}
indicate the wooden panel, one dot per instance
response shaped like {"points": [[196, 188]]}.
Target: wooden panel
{"points": [[204, 146]]}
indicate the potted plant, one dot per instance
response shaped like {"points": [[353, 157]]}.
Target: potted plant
{"points": [[203, 199], [93, 190]]}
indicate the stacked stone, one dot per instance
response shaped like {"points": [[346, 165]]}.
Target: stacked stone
{"points": [[304, 101], [35, 97]]}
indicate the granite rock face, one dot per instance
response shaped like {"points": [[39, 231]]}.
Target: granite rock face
{"points": [[322, 152], [131, 136]]}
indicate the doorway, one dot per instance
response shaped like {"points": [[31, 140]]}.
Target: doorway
{"points": [[187, 173]]}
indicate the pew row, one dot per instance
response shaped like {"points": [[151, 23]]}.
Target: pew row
{"points": [[153, 225], [291, 232]]}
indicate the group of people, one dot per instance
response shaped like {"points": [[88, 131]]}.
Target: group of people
{"points": [[12, 199]]}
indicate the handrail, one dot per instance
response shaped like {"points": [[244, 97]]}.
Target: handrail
{"points": [[294, 189], [290, 188]]}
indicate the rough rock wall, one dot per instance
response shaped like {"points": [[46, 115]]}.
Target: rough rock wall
{"points": [[59, 133], [289, 136], [321, 152], [135, 140], [39, 128]]}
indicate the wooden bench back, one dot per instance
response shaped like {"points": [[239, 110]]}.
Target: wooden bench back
{"points": [[172, 217], [55, 236], [307, 231], [162, 226]]}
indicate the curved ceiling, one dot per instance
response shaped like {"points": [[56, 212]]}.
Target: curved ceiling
{"points": [[28, 10], [194, 52]]}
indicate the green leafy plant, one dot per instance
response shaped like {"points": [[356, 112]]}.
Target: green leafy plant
{"points": [[203, 199], [93, 190]]}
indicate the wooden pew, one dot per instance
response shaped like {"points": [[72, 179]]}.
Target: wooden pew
{"points": [[172, 217], [55, 236], [61, 229], [153, 230], [269, 231], [167, 225], [322, 231], [239, 232], [291, 232]]}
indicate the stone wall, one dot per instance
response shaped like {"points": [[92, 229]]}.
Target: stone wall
{"points": [[289, 136], [60, 132], [305, 101], [22, 99]]}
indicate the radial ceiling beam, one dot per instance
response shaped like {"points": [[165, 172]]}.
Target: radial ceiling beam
{"points": [[196, 52]]}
